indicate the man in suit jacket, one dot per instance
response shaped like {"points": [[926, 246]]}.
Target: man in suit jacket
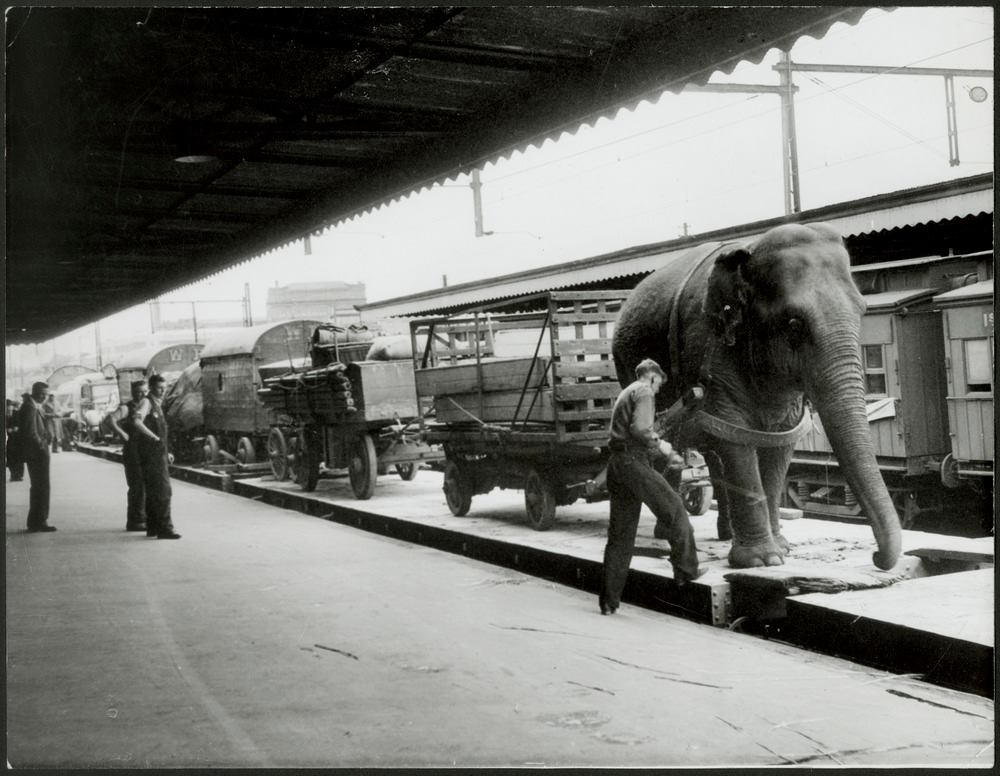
{"points": [[35, 439]]}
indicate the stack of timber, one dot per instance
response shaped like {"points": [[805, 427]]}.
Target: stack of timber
{"points": [[322, 394]]}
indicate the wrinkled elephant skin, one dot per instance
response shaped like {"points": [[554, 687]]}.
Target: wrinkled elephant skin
{"points": [[762, 325]]}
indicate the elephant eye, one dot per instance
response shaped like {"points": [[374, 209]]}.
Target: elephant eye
{"points": [[797, 331]]}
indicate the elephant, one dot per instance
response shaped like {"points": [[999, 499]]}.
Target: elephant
{"points": [[760, 326]]}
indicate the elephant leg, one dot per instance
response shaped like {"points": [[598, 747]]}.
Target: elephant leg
{"points": [[747, 505], [717, 475], [773, 463]]}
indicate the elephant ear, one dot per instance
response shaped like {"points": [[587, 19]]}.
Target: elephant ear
{"points": [[728, 293]]}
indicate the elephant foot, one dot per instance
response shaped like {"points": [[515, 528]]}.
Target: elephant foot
{"points": [[745, 556], [783, 544]]}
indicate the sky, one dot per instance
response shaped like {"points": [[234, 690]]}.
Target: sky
{"points": [[685, 163]]}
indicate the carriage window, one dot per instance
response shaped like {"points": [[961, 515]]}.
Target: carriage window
{"points": [[220, 381], [874, 363], [978, 366]]}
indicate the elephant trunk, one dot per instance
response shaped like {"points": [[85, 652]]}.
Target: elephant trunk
{"points": [[836, 387]]}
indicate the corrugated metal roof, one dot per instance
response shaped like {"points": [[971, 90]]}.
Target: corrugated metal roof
{"points": [[890, 300], [880, 266], [970, 196], [983, 289], [243, 341], [308, 116]]}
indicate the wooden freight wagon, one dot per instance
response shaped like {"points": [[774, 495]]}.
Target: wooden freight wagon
{"points": [[236, 421], [528, 412], [970, 350], [360, 416], [168, 361]]}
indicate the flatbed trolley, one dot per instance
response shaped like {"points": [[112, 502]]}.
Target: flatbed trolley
{"points": [[520, 395]]}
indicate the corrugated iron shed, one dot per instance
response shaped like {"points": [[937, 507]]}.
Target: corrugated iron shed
{"points": [[302, 117]]}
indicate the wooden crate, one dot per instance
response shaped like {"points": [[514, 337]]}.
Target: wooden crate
{"points": [[383, 390], [497, 374]]}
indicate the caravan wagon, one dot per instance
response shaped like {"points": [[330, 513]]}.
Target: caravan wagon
{"points": [[236, 421]]}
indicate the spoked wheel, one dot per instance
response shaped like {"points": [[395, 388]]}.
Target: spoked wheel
{"points": [[457, 492], [306, 460], [406, 471], [539, 501], [697, 500], [210, 450], [278, 454], [245, 452], [363, 467]]}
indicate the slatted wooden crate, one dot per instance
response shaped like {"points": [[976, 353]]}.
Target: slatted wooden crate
{"points": [[573, 331], [584, 380]]}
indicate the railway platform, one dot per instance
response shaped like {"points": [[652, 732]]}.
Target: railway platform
{"points": [[266, 637]]}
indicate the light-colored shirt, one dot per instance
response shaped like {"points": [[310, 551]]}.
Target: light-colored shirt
{"points": [[633, 415]]}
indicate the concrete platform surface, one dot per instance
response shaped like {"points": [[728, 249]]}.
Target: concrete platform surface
{"points": [[268, 638]]}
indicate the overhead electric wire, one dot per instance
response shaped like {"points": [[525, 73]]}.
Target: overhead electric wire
{"points": [[830, 89]]}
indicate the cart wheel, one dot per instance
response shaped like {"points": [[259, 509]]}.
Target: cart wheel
{"points": [[245, 452], [539, 501], [306, 462], [457, 492], [210, 450], [406, 471], [277, 452], [697, 500], [363, 467]]}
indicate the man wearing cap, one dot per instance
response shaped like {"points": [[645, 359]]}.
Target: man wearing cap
{"points": [[151, 426], [122, 420], [34, 440], [632, 482]]}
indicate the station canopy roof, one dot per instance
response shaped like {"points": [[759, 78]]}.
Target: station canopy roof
{"points": [[301, 118]]}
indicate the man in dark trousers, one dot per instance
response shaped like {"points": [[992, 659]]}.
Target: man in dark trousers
{"points": [[34, 440], [122, 420], [14, 460], [632, 482], [151, 426]]}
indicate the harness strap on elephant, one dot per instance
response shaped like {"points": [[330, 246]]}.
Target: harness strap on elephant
{"points": [[730, 432], [712, 249]]}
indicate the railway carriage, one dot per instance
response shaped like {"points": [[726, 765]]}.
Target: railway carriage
{"points": [[927, 354], [236, 421], [968, 314]]}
